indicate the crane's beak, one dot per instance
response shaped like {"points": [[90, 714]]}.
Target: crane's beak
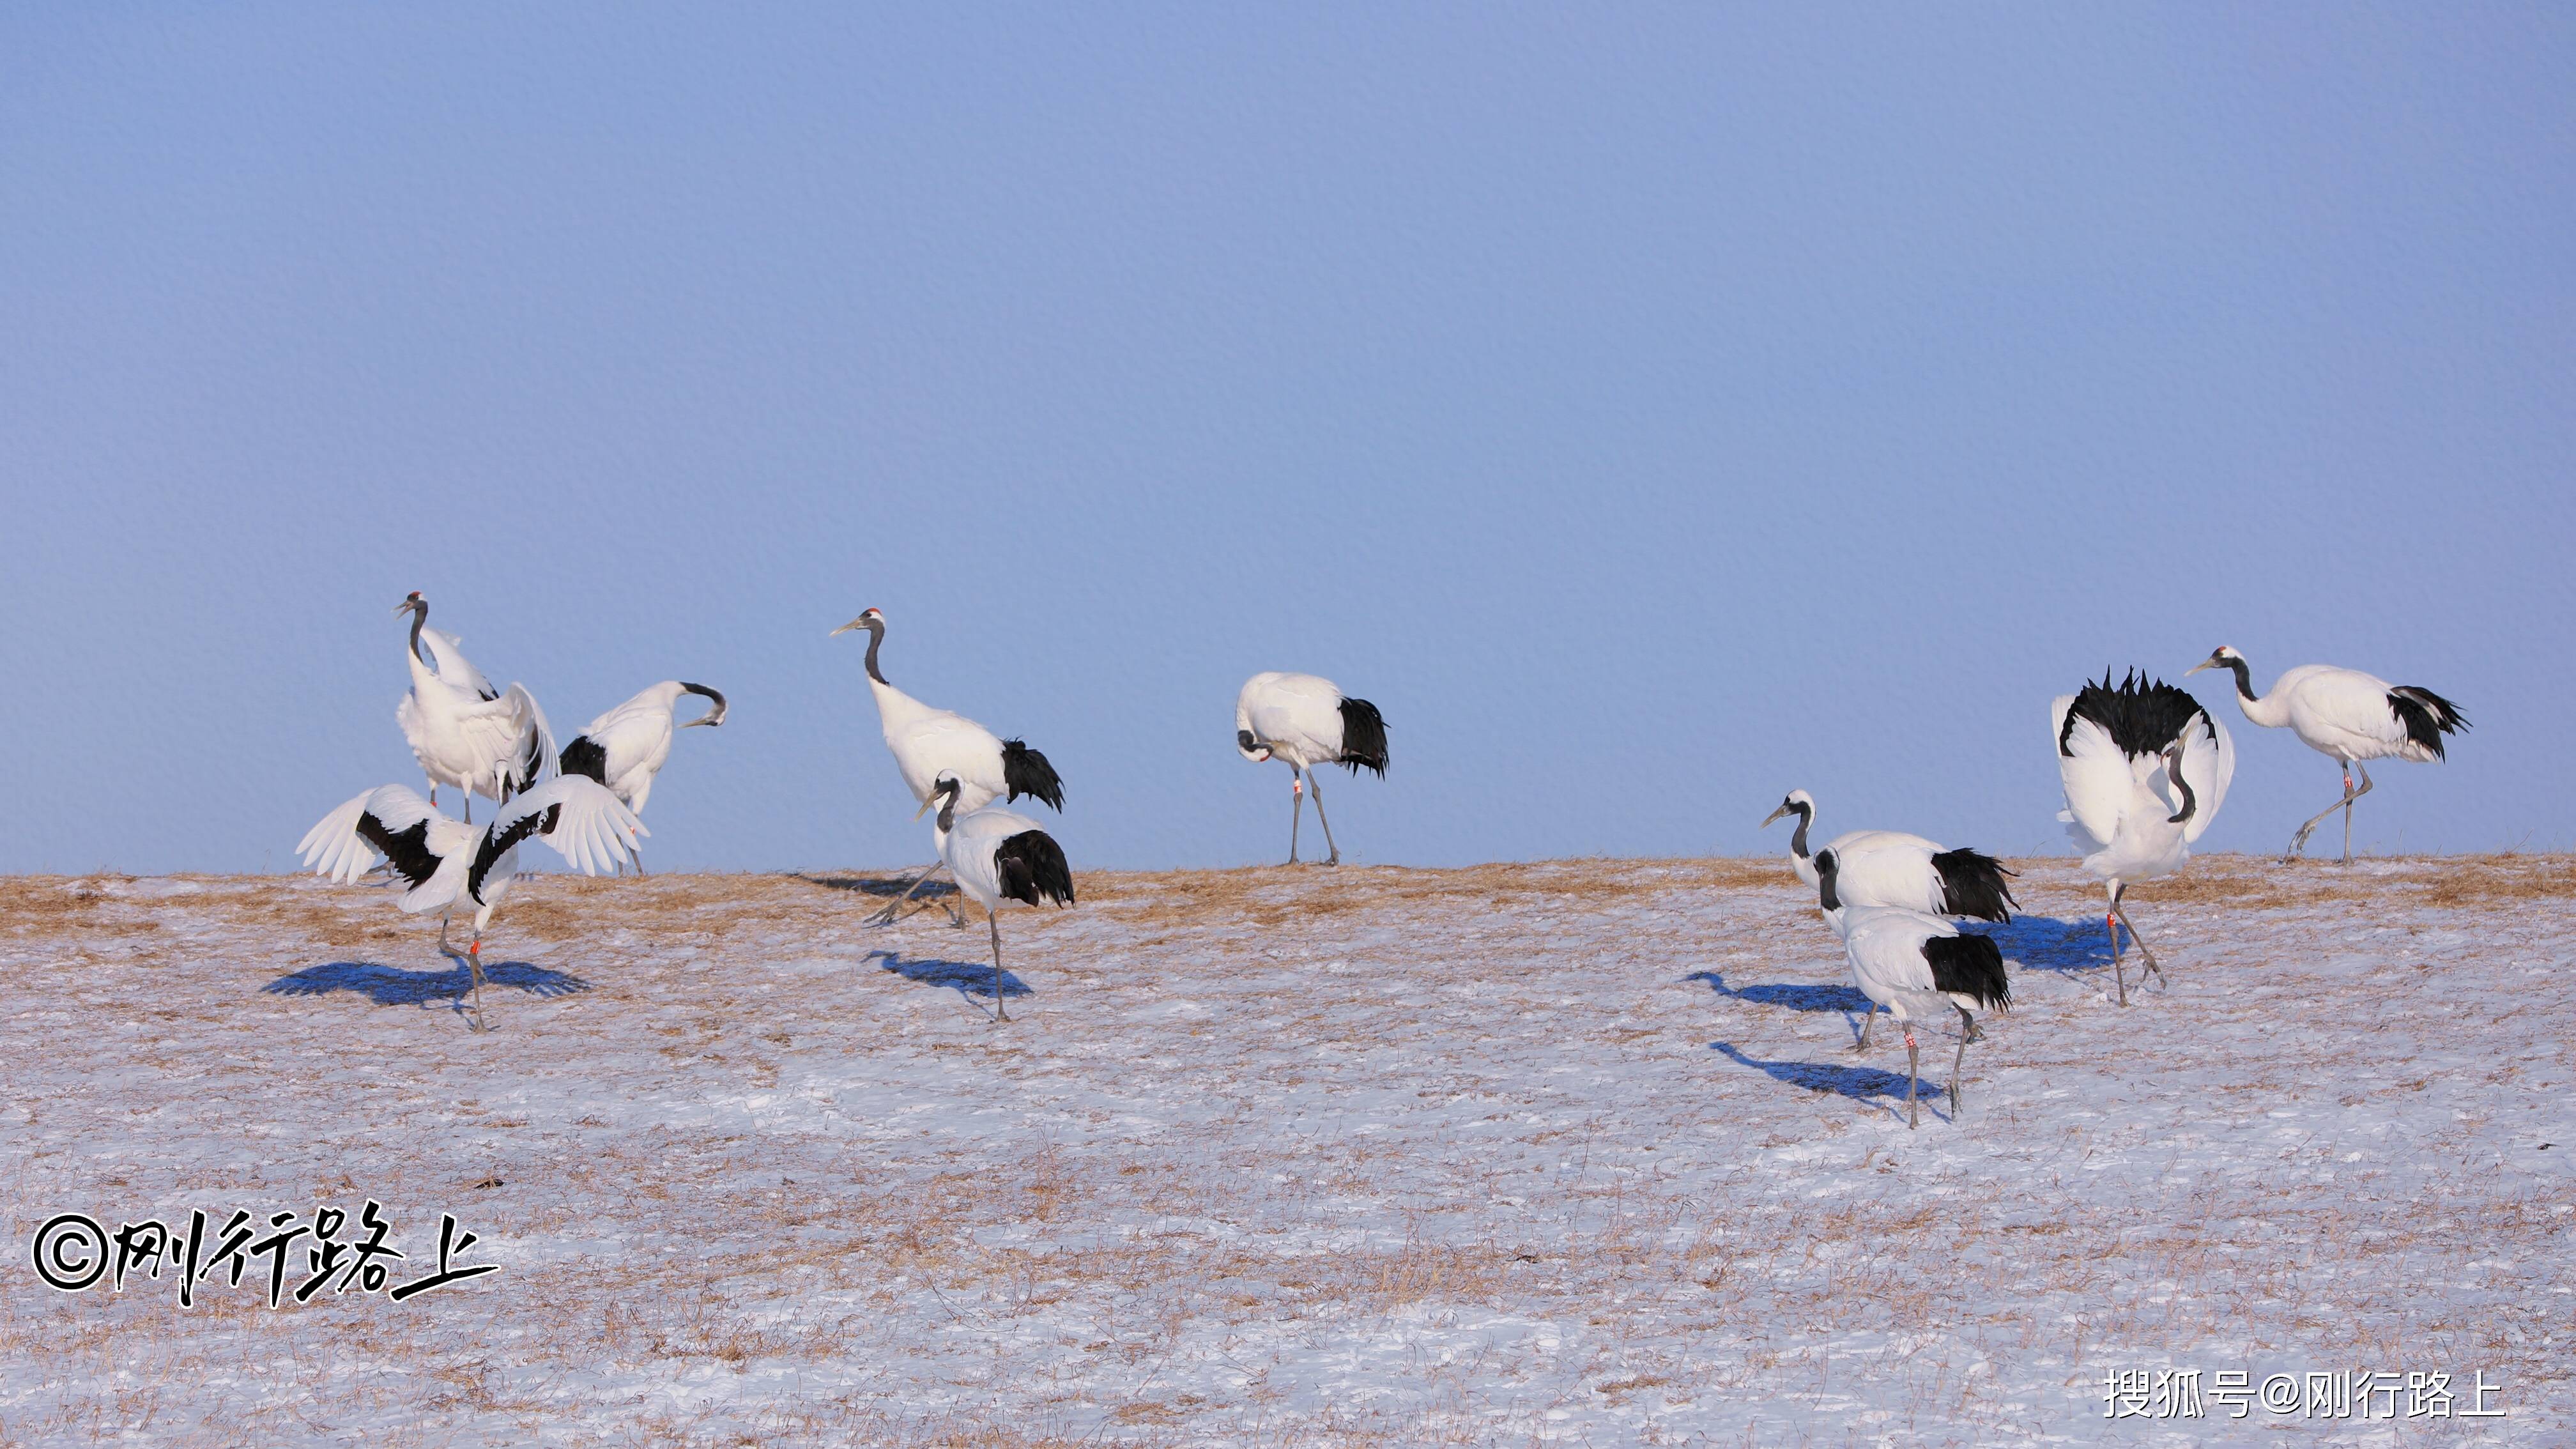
{"points": [[925, 808], [403, 608], [1774, 815], [846, 628], [2195, 669]]}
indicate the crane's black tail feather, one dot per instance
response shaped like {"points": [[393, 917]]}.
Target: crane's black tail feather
{"points": [[1974, 885], [1033, 869], [585, 756], [1026, 772], [1363, 737], [1970, 966], [2426, 715]]}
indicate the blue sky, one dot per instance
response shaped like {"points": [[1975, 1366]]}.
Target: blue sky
{"points": [[1650, 410]]}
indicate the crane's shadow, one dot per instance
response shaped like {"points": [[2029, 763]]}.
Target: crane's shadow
{"points": [[972, 980], [2043, 943], [883, 887], [1861, 1084], [1854, 1007], [394, 986]]}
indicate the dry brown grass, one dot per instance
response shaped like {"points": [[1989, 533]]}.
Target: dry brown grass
{"points": [[1491, 1098]]}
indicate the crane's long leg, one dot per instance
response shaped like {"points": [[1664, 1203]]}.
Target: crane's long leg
{"points": [[2111, 923], [1868, 1019], [474, 964], [1296, 812], [1913, 1074], [1967, 1029], [2349, 796], [1001, 1013], [2122, 912], [2299, 842], [1315, 783], [888, 916]]}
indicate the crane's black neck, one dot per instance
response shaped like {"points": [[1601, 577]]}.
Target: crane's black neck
{"points": [[947, 811], [1798, 837], [2190, 801], [1826, 869], [419, 617], [2244, 681], [876, 636]]}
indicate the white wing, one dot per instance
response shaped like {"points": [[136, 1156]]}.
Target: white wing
{"points": [[533, 720], [2208, 764], [2097, 777], [1300, 713], [452, 665], [942, 742], [593, 834], [1887, 868], [334, 847]]}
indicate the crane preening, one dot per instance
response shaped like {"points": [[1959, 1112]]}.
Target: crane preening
{"points": [[2145, 769], [997, 855], [1308, 721], [2349, 717], [447, 866], [626, 748], [928, 743]]}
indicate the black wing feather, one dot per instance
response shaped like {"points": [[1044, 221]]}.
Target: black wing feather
{"points": [[2426, 715], [2143, 716], [1033, 868], [1363, 737], [1026, 772], [1970, 966], [500, 840], [586, 756], [1974, 885], [408, 852]]}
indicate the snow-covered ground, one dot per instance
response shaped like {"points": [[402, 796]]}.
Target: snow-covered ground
{"points": [[1573, 1152]]}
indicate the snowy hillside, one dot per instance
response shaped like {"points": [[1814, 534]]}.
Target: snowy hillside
{"points": [[1571, 1152]]}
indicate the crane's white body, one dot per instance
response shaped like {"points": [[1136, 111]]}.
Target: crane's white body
{"points": [[1296, 717], [927, 743], [462, 734], [968, 849], [1885, 948], [593, 833], [2119, 807], [636, 739], [2342, 713], [1881, 868]]}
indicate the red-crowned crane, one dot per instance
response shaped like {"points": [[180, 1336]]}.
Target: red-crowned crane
{"points": [[448, 866], [1308, 722], [1916, 965], [626, 747], [2145, 770], [997, 855], [462, 733], [927, 743], [2347, 716], [1907, 872]]}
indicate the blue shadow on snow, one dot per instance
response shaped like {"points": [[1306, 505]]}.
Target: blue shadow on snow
{"points": [[1861, 1084], [970, 979], [394, 986], [2041, 943]]}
